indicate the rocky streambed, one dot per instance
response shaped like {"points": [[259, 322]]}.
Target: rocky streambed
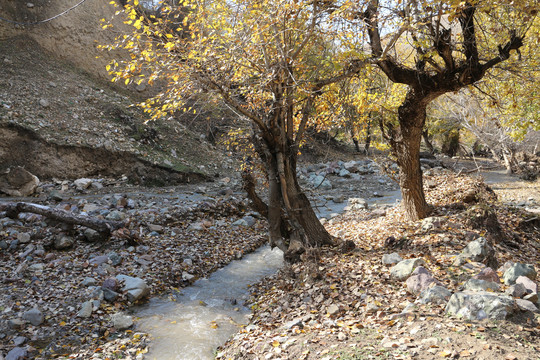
{"points": [[67, 291]]}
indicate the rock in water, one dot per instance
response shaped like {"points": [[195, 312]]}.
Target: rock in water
{"points": [[121, 321], [18, 182], [136, 288]]}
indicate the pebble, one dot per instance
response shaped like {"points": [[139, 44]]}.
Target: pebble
{"points": [[34, 316]]}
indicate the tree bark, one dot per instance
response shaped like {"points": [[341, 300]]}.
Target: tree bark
{"points": [[427, 141], [406, 148], [103, 226]]}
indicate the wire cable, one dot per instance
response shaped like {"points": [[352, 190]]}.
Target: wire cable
{"points": [[42, 21]]}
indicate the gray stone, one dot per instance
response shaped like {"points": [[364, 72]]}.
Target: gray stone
{"points": [[344, 173], [109, 295], [481, 285], [115, 258], [156, 228], [115, 215], [98, 260], [92, 235], [4, 245], [136, 288], [479, 305], [320, 182], [404, 268], [187, 276], [357, 204], [86, 309], [56, 195], [196, 226], [478, 250], [19, 340], [338, 199], [436, 294], [24, 238], [34, 316], [83, 183], [121, 321], [530, 285], [240, 222], [526, 305], [391, 259], [250, 220], [110, 283], [516, 290], [17, 353], [89, 281], [516, 270], [63, 242]]}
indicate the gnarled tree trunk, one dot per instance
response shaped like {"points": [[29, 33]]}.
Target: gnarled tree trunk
{"points": [[406, 148]]}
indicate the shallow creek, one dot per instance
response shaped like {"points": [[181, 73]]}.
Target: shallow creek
{"points": [[198, 319], [201, 317]]}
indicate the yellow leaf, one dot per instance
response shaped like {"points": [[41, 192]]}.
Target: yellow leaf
{"points": [[275, 343]]}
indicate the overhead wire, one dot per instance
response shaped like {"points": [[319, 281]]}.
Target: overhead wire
{"points": [[42, 21]]}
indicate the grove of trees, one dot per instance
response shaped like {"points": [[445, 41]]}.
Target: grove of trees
{"points": [[285, 66]]}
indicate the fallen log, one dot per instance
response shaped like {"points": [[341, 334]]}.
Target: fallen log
{"points": [[105, 227]]}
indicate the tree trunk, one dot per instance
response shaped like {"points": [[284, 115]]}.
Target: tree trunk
{"points": [[406, 149], [368, 137]]}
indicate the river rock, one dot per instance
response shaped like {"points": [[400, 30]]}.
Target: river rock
{"points": [[92, 235], [516, 290], [89, 281], [516, 270], [17, 353], [488, 274], [481, 285], [136, 288], [63, 242], [391, 259], [420, 280], [19, 340], [109, 295], [83, 183], [86, 310], [479, 305], [18, 182], [530, 285], [24, 238], [121, 321], [34, 316], [98, 260], [526, 305], [156, 228], [319, 181], [478, 250], [115, 215], [404, 268], [357, 204], [436, 294]]}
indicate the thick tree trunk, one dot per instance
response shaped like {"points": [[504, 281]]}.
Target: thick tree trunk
{"points": [[406, 149]]}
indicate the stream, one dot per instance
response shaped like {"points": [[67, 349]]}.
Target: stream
{"points": [[194, 322], [201, 317]]}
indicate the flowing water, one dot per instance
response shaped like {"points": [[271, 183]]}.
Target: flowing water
{"points": [[203, 316]]}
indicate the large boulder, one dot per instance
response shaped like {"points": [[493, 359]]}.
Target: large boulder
{"points": [[18, 182], [405, 268], [478, 250], [479, 305], [136, 288], [516, 270], [436, 294], [481, 285]]}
